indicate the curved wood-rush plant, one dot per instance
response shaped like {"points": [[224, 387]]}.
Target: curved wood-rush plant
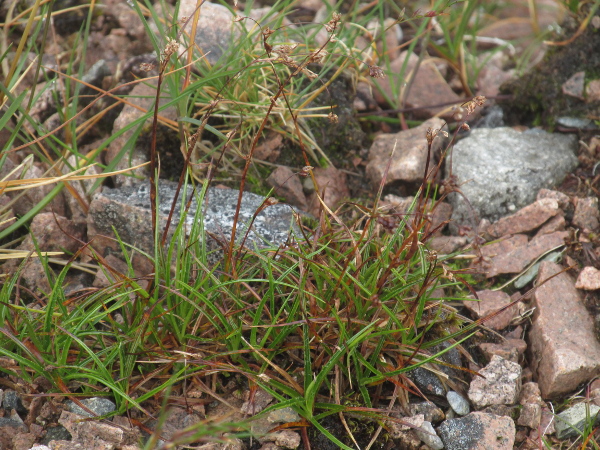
{"points": [[328, 324]]}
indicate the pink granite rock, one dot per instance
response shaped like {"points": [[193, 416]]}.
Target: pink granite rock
{"points": [[562, 199], [511, 349], [564, 349], [491, 302], [287, 185], [409, 157], [332, 188], [592, 91], [526, 219], [587, 215], [589, 279], [517, 259], [499, 384], [447, 244], [557, 223], [428, 87]]}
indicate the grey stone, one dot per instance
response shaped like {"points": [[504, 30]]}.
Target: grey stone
{"points": [[429, 436], [458, 403], [492, 117], [501, 170], [128, 211], [98, 405], [283, 415], [427, 381], [431, 413], [575, 122], [13, 401], [6, 422], [575, 418], [56, 433], [214, 31]]}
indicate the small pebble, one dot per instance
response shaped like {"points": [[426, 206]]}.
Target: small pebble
{"points": [[458, 403]]}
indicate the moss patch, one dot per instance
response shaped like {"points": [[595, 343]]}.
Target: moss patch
{"points": [[537, 97]]}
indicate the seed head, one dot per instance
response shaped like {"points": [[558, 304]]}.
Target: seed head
{"points": [[319, 56], [284, 49], [333, 118], [305, 172], [332, 25], [376, 72], [146, 67], [171, 48]]}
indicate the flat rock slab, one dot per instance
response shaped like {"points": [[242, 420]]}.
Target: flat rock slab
{"points": [[513, 255], [526, 219], [576, 418], [564, 349], [501, 170], [128, 211]]}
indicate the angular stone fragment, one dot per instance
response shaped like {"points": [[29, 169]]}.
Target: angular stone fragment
{"points": [[588, 279], [511, 349], [489, 303], [574, 85], [141, 100], [503, 246], [499, 384], [526, 219], [587, 216], [92, 433], [557, 223], [562, 199], [478, 431], [518, 259], [427, 87], [287, 185], [592, 91], [576, 418], [562, 341], [532, 403], [214, 30], [333, 189], [447, 244], [410, 155], [436, 214]]}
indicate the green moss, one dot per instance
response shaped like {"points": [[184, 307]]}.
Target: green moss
{"points": [[537, 97]]}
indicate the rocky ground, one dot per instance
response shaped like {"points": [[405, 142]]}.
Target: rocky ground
{"points": [[526, 215]]}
